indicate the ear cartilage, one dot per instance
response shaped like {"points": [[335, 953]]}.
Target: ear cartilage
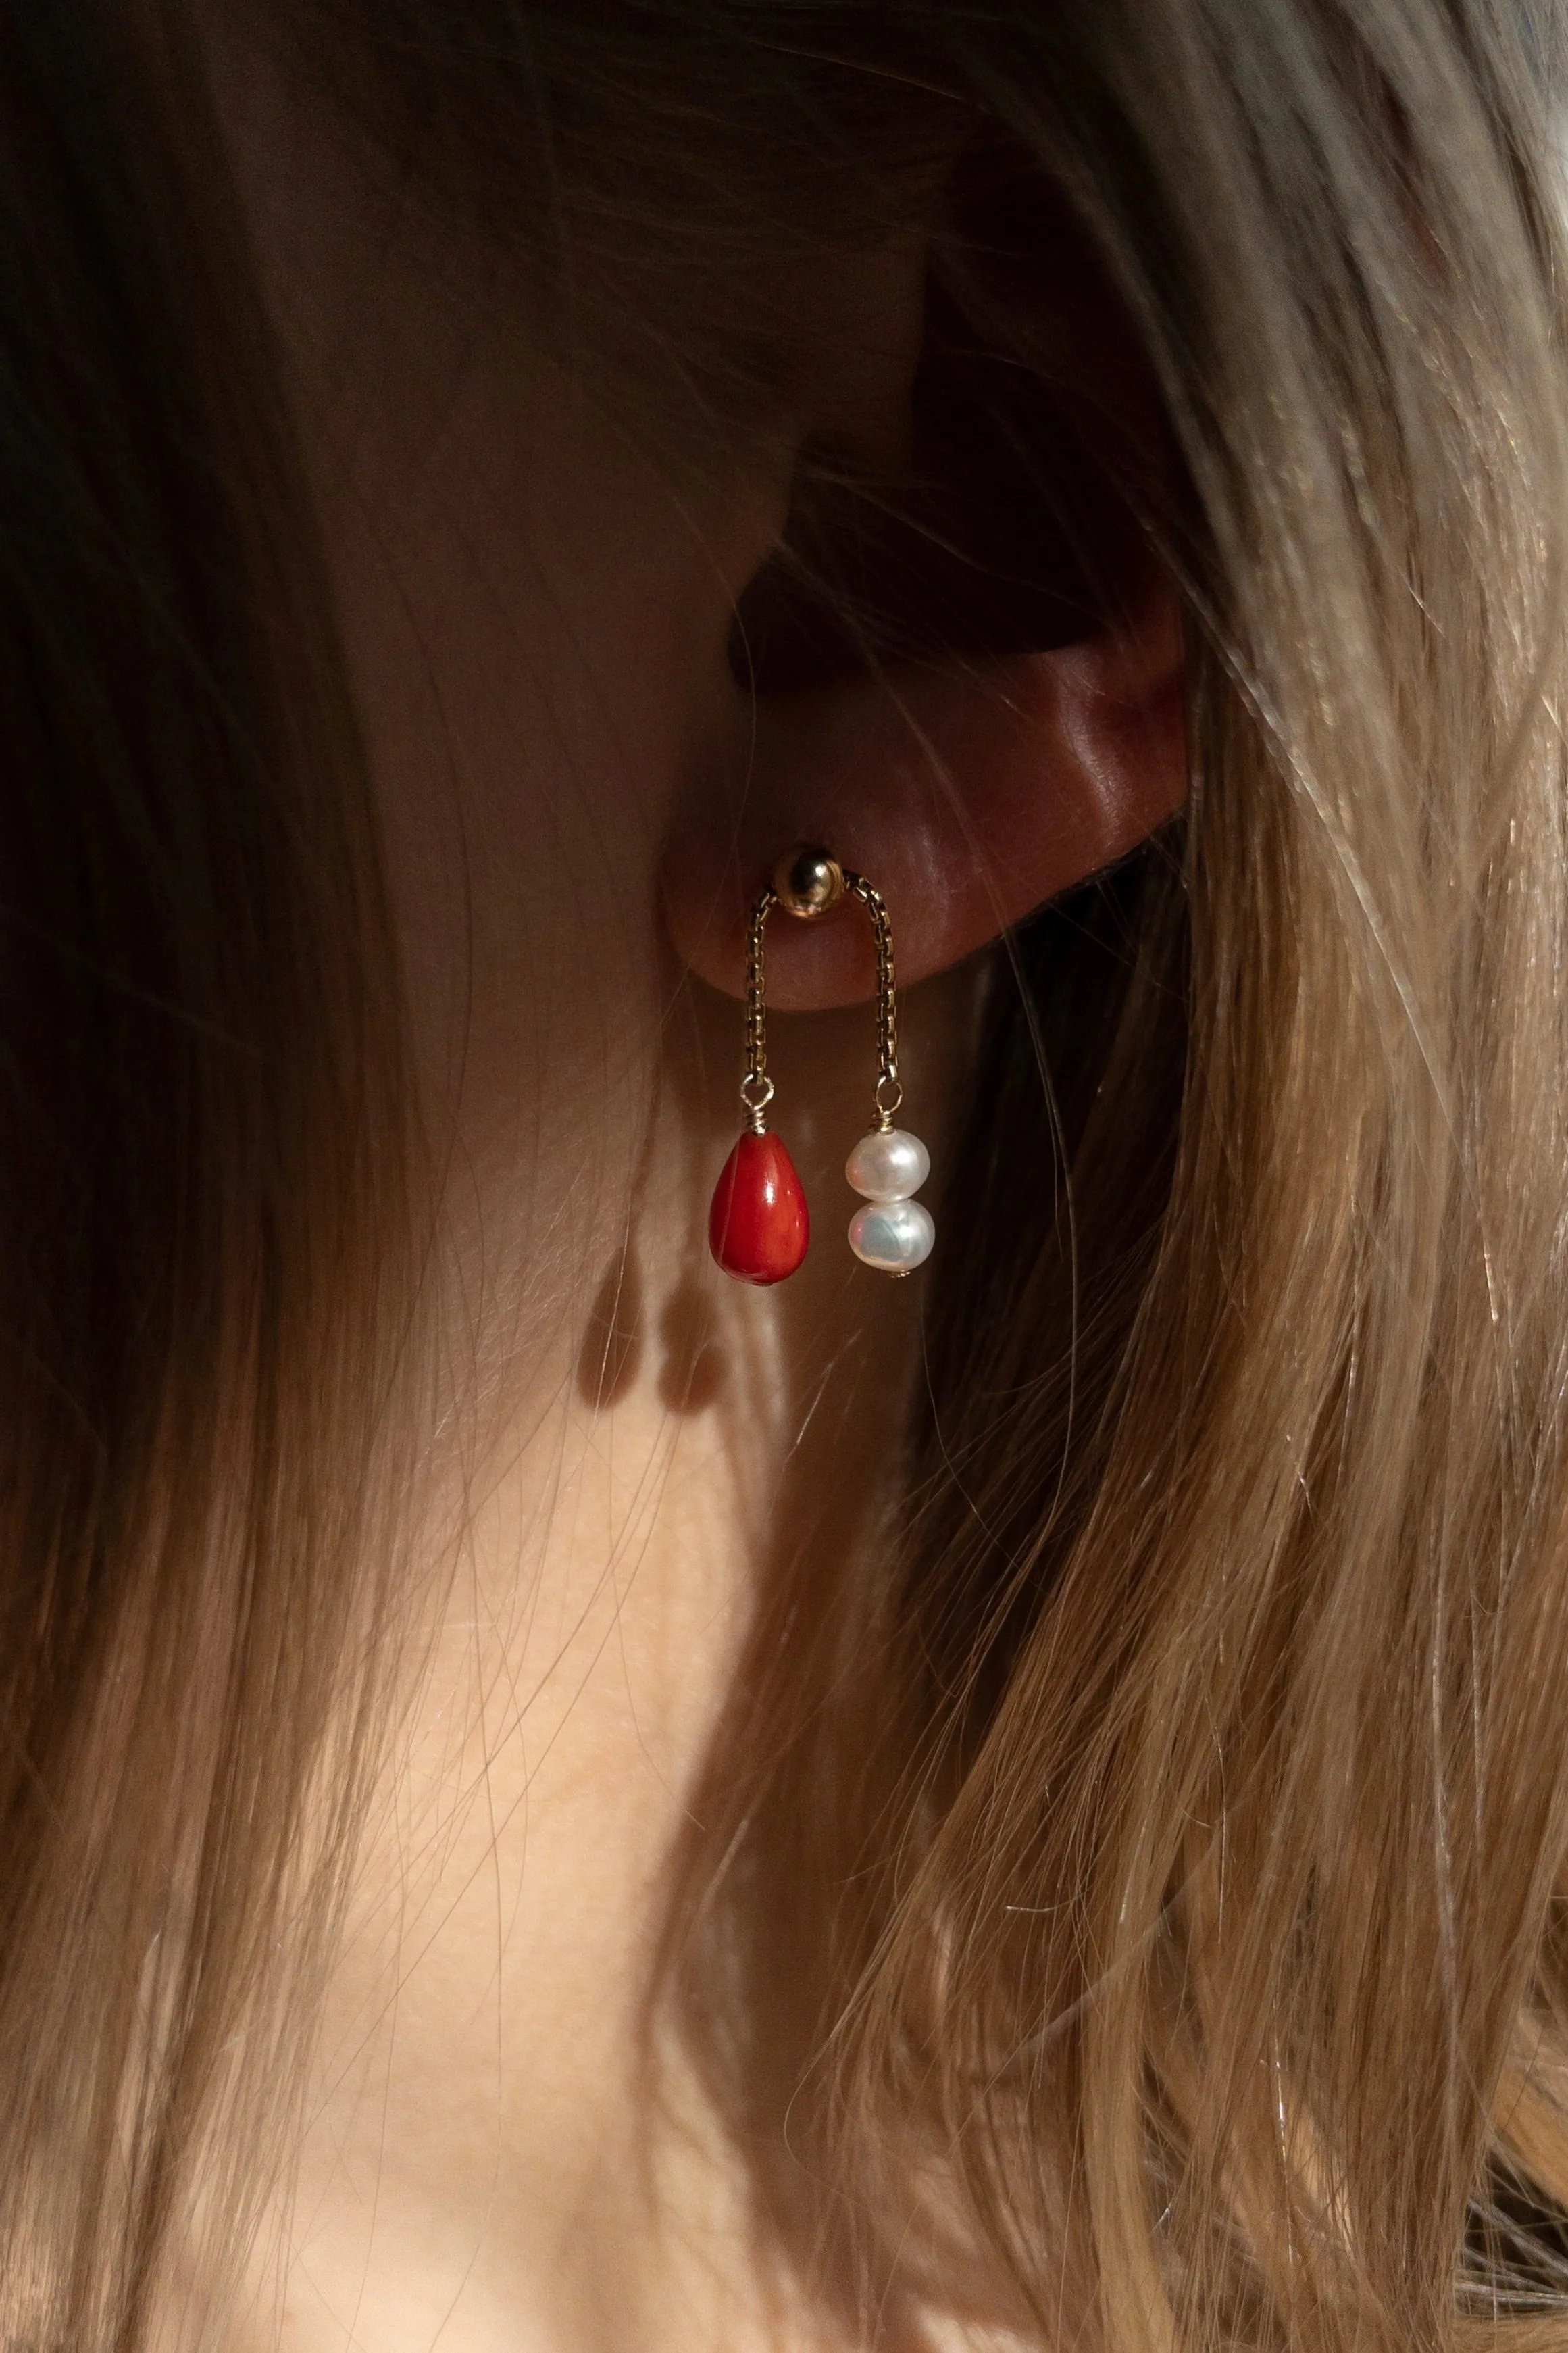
{"points": [[758, 1227]]}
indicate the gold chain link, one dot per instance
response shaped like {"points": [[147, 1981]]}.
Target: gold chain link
{"points": [[888, 1093], [756, 1087]]}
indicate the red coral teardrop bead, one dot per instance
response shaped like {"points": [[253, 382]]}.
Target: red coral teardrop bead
{"points": [[758, 1227]]}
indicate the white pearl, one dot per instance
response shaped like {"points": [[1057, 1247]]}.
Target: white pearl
{"points": [[887, 1166], [892, 1236]]}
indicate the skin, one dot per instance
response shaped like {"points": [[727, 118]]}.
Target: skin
{"points": [[535, 595]]}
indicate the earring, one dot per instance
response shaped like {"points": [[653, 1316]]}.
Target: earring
{"points": [[758, 1227]]}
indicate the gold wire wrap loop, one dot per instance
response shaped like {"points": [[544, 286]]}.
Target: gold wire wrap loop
{"points": [[756, 1087]]}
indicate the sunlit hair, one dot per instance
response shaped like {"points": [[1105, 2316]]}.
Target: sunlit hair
{"points": [[1126, 1909]]}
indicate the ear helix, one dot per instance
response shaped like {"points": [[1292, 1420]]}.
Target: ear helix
{"points": [[758, 1227]]}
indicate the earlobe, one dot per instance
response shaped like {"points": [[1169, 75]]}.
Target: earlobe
{"points": [[973, 790]]}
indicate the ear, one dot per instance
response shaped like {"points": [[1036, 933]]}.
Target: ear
{"points": [[968, 793], [965, 679]]}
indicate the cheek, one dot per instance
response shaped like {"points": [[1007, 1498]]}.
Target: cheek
{"points": [[525, 718]]}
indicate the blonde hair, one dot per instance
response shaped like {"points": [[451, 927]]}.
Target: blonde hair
{"points": [[1165, 1810], [201, 1315]]}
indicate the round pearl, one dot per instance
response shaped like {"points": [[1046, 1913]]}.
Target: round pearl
{"points": [[888, 1167], [895, 1237]]}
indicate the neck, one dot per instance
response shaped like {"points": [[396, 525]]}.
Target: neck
{"points": [[491, 2148]]}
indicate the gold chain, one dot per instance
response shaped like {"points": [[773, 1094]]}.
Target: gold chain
{"points": [[756, 1087], [888, 1093]]}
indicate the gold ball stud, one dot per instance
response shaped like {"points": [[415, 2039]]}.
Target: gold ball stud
{"points": [[808, 883]]}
